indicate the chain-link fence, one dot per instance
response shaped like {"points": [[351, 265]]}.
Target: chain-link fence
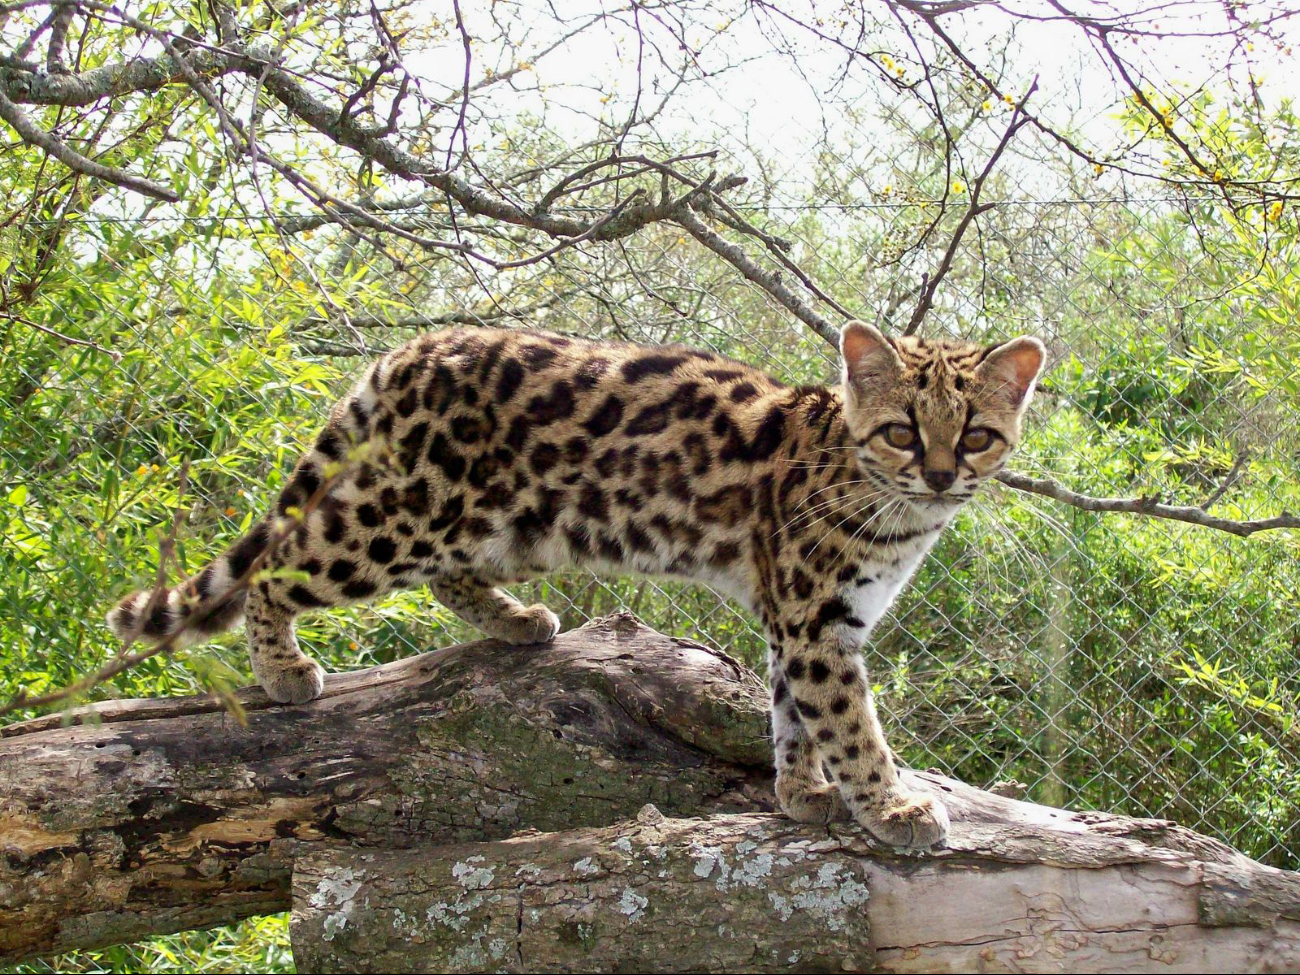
{"points": [[1104, 661]]}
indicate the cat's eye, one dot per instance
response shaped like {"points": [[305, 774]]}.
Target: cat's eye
{"points": [[900, 435], [977, 439]]}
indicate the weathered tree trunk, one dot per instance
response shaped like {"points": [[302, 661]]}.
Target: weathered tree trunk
{"points": [[1019, 888], [168, 815]]}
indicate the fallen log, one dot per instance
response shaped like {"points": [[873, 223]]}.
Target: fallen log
{"points": [[1019, 888], [158, 816], [147, 817]]}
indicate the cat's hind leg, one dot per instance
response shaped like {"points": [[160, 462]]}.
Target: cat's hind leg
{"points": [[286, 674], [494, 611]]}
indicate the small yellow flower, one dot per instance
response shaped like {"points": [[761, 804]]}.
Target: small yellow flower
{"points": [[1008, 99], [142, 470], [887, 61], [1098, 169], [958, 186], [888, 189], [230, 512], [352, 645], [987, 105]]}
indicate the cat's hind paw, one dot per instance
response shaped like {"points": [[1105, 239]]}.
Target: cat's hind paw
{"points": [[296, 683], [533, 624]]}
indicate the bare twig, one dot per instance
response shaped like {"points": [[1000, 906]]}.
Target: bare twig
{"points": [[1238, 467], [973, 210], [62, 337]]}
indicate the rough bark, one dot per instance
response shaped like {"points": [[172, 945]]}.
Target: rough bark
{"points": [[1019, 888], [166, 815]]}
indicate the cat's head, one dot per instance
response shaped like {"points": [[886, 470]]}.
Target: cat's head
{"points": [[933, 419]]}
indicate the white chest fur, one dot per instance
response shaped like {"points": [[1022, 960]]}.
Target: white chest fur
{"points": [[879, 581]]}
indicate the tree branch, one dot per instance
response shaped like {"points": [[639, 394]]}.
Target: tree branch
{"points": [[32, 134], [1146, 506]]}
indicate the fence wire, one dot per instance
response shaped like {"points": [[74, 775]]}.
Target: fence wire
{"points": [[1103, 661]]}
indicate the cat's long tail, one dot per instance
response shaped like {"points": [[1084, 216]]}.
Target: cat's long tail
{"points": [[205, 604], [212, 601]]}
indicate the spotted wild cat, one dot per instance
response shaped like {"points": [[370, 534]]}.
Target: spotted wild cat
{"points": [[508, 454]]}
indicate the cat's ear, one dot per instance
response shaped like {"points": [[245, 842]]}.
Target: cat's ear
{"points": [[1010, 370], [867, 355]]}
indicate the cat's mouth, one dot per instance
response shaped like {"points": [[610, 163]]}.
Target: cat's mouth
{"points": [[931, 503]]}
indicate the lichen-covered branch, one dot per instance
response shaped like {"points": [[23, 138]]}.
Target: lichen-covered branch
{"points": [[1018, 888]]}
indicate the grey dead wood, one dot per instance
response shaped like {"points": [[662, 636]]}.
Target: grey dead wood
{"points": [[398, 815]]}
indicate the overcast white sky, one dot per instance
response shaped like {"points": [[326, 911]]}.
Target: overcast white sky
{"points": [[786, 105]]}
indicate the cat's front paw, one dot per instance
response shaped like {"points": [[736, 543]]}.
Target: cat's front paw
{"points": [[805, 803], [905, 818], [297, 683]]}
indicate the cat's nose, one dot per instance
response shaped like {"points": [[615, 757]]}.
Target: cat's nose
{"points": [[939, 480]]}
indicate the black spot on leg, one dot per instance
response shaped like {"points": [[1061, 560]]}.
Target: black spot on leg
{"points": [[335, 527], [834, 610], [341, 570], [839, 705], [305, 598], [825, 735], [809, 710], [795, 669], [818, 672], [329, 444], [852, 751], [382, 550]]}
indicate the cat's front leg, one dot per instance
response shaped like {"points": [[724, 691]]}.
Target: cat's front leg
{"points": [[801, 787], [827, 689]]}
